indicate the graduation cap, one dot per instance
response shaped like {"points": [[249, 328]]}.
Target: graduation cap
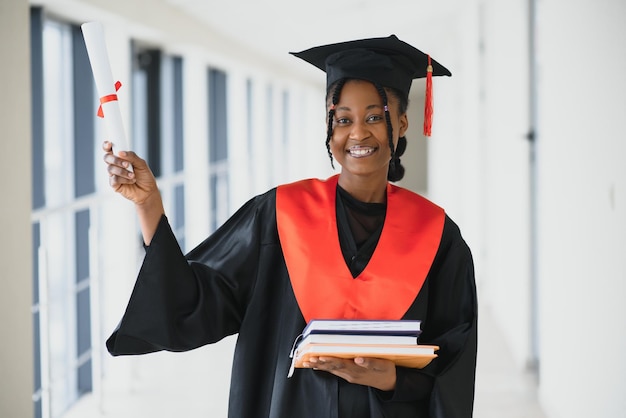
{"points": [[388, 62]]}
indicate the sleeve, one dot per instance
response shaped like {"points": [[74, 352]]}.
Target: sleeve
{"points": [[453, 309], [451, 323], [183, 302]]}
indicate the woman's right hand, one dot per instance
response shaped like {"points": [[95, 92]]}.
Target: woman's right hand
{"points": [[139, 185]]}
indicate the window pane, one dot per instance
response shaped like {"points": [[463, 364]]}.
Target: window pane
{"points": [[269, 105], [37, 353], [61, 310], [147, 105], [36, 57], [36, 244], [38, 413], [58, 107], [249, 116], [179, 214], [85, 378], [83, 303], [139, 113], [82, 245], [84, 117], [218, 145], [179, 204], [285, 118], [219, 196], [83, 323], [178, 114], [36, 315]]}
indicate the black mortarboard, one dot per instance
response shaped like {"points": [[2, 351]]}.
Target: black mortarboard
{"points": [[388, 62]]}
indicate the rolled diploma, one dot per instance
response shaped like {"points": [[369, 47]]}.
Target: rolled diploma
{"points": [[99, 59]]}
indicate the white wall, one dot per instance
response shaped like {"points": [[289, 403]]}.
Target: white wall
{"points": [[581, 181], [16, 350], [581, 169], [504, 122], [582, 207]]}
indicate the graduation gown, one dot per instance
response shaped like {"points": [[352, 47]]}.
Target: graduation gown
{"points": [[237, 282]]}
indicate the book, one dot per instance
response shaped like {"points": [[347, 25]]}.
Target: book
{"points": [[395, 340], [367, 339], [414, 355], [363, 327]]}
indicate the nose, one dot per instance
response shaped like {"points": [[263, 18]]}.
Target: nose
{"points": [[359, 131]]}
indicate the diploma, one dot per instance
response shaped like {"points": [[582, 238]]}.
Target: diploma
{"points": [[106, 87]]}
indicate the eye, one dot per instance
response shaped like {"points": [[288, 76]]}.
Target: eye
{"points": [[375, 118], [342, 121]]}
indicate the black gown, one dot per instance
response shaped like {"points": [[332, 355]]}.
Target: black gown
{"points": [[236, 282]]}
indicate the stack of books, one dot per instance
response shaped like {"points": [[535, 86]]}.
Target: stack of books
{"points": [[394, 340]]}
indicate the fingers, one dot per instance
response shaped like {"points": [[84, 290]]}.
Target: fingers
{"points": [[107, 146], [374, 364], [130, 156], [374, 372], [328, 364], [124, 159], [118, 167]]}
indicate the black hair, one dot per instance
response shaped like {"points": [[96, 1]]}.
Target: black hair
{"points": [[396, 170]]}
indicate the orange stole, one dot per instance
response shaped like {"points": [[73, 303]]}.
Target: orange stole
{"points": [[322, 283]]}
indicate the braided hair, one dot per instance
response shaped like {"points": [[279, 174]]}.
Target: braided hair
{"points": [[336, 90], [396, 170]]}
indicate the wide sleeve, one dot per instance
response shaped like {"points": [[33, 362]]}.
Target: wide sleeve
{"points": [[448, 307], [453, 316], [183, 302]]}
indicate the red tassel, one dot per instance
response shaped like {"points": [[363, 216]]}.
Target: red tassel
{"points": [[428, 106]]}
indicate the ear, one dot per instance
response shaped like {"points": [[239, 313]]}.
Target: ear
{"points": [[403, 125]]}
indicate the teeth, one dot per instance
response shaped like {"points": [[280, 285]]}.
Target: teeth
{"points": [[360, 152]]}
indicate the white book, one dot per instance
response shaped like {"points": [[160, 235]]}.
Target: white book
{"points": [[358, 339], [363, 326]]}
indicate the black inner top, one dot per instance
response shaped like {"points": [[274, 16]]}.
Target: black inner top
{"points": [[360, 225]]}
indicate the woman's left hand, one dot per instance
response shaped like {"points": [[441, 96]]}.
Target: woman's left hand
{"points": [[374, 372]]}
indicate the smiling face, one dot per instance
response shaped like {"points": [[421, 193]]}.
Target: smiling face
{"points": [[360, 142]]}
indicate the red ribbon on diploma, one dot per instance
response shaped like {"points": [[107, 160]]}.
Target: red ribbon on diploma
{"points": [[108, 98]]}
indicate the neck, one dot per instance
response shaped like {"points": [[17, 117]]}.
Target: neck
{"points": [[365, 189]]}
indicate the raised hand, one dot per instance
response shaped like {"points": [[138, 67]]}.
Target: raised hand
{"points": [[138, 186]]}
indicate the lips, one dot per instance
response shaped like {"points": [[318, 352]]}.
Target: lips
{"points": [[359, 151]]}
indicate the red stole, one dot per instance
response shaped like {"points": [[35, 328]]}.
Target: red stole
{"points": [[321, 280]]}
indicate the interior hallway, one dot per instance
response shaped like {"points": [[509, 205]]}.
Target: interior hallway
{"points": [[169, 385], [502, 389]]}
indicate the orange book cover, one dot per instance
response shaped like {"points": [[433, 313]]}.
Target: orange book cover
{"points": [[414, 356]]}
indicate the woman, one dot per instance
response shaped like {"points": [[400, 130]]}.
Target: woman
{"points": [[352, 246]]}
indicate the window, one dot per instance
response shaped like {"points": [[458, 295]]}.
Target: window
{"points": [[157, 111], [63, 119], [218, 148], [172, 147], [250, 137], [271, 135], [285, 117], [146, 106]]}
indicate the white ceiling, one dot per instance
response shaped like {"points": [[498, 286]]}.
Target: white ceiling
{"points": [[275, 27]]}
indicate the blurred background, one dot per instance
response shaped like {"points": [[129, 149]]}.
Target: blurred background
{"points": [[528, 156]]}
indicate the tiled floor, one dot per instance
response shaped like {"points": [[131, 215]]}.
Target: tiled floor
{"points": [[189, 385]]}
